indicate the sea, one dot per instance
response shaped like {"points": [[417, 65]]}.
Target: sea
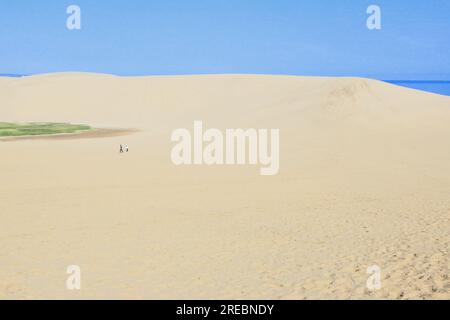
{"points": [[434, 86]]}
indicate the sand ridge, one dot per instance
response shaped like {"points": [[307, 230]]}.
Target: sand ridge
{"points": [[90, 134]]}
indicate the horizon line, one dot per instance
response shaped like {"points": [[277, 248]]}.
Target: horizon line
{"points": [[18, 75]]}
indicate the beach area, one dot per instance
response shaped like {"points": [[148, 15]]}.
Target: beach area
{"points": [[363, 180]]}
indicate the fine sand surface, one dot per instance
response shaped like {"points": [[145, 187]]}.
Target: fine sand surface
{"points": [[364, 180]]}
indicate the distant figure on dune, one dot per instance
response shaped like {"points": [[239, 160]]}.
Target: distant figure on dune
{"points": [[126, 148], [121, 149]]}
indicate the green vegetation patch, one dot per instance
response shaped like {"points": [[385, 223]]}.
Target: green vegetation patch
{"points": [[39, 128]]}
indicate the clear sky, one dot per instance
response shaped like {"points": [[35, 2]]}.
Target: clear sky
{"points": [[298, 37]]}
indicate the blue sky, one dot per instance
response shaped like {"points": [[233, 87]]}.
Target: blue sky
{"points": [[298, 37]]}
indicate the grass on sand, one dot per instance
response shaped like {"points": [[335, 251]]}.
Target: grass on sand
{"points": [[39, 128]]}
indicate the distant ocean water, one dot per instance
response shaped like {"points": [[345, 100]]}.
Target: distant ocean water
{"points": [[435, 86]]}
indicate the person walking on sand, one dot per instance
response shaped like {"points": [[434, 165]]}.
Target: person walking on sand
{"points": [[126, 148], [121, 149]]}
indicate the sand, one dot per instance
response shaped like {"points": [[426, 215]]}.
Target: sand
{"points": [[364, 180]]}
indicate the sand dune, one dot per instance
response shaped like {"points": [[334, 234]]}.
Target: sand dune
{"points": [[364, 180]]}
